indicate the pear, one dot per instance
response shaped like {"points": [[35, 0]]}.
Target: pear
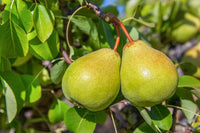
{"points": [[148, 76], [193, 56], [185, 29], [93, 80]]}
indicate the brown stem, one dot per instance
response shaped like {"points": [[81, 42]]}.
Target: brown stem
{"points": [[118, 37], [65, 56], [109, 18], [125, 30]]}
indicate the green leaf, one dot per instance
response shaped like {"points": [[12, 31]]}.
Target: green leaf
{"points": [[111, 8], [86, 25], [161, 117], [188, 68], [42, 73], [131, 7], [7, 1], [4, 64], [187, 103], [13, 40], [20, 14], [188, 81], [145, 114], [196, 93], [47, 50], [14, 14], [57, 111], [134, 34], [14, 93], [144, 128], [25, 15], [33, 88], [80, 120], [157, 13], [81, 2], [58, 71], [106, 34], [11, 102], [43, 20]]}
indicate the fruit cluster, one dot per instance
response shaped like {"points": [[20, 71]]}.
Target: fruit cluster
{"points": [[146, 76]]}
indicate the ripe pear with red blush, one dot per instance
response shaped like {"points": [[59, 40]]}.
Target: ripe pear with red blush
{"points": [[93, 80], [148, 76]]}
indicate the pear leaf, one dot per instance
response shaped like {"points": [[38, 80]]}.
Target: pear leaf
{"points": [[47, 50], [146, 116], [187, 102], [33, 88], [58, 71], [43, 20], [144, 128], [25, 15], [80, 120], [57, 110], [161, 117], [188, 81], [14, 93], [13, 40], [5, 64]]}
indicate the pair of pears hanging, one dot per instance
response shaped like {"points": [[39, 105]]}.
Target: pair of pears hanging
{"points": [[145, 75]]}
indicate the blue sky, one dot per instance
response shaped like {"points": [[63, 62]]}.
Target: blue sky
{"points": [[120, 8]]}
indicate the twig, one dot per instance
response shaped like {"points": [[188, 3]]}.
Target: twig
{"points": [[109, 18], [151, 25], [113, 120], [65, 56]]}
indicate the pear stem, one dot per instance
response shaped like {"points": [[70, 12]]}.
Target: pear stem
{"points": [[108, 18], [118, 37], [113, 120], [116, 21]]}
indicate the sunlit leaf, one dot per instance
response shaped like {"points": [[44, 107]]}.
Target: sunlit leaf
{"points": [[47, 50], [25, 15], [188, 81], [57, 110], [14, 93], [33, 88], [81, 2], [81, 120], [43, 20]]}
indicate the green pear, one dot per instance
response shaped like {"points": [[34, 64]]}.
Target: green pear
{"points": [[185, 29], [193, 56], [148, 76], [93, 80]]}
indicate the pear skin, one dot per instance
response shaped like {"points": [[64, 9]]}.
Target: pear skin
{"points": [[193, 56], [148, 76], [93, 80], [190, 25]]}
